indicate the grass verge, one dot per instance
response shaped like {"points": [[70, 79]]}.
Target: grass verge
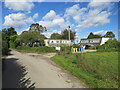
{"points": [[96, 69]]}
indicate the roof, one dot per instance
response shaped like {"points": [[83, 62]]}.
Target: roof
{"points": [[89, 39], [56, 39], [94, 38]]}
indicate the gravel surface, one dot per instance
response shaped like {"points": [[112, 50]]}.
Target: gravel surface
{"points": [[26, 70]]}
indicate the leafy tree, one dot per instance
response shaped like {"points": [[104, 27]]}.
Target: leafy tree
{"points": [[11, 31], [56, 36], [13, 43], [28, 38], [65, 35], [38, 28], [110, 44], [91, 35], [4, 43], [109, 34], [7, 33], [97, 36]]}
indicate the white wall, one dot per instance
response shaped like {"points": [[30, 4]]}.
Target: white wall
{"points": [[104, 40], [46, 42], [52, 41]]}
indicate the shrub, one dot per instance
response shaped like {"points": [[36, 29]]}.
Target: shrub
{"points": [[93, 48], [42, 49], [65, 50], [109, 50], [109, 46], [5, 48], [76, 46]]}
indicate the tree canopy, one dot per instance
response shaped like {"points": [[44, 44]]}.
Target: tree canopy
{"points": [[91, 35], [110, 44], [38, 28], [56, 36], [65, 34], [28, 37], [109, 34], [7, 33]]}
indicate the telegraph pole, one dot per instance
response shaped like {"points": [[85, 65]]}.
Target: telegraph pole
{"points": [[69, 34]]}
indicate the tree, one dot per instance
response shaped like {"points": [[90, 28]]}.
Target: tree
{"points": [[11, 31], [56, 36], [38, 28], [28, 38], [109, 34], [7, 33], [13, 43], [65, 35], [91, 35], [110, 44]]}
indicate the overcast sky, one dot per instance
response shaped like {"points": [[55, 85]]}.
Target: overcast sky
{"points": [[83, 17]]}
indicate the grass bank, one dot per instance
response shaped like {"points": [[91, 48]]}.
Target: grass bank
{"points": [[96, 69], [42, 49]]}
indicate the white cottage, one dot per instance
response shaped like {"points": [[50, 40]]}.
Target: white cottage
{"points": [[57, 42], [86, 43]]}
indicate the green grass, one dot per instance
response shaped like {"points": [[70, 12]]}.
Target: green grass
{"points": [[42, 49], [96, 69]]}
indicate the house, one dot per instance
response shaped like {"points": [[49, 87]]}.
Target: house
{"points": [[57, 42], [86, 43]]}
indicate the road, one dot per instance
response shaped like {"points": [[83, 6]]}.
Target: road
{"points": [[30, 70]]}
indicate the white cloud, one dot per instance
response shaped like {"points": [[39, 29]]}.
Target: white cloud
{"points": [[21, 5], [35, 15], [75, 12], [15, 5], [83, 17], [24, 0], [17, 20], [102, 32], [88, 17], [102, 0], [51, 19], [50, 15], [94, 18]]}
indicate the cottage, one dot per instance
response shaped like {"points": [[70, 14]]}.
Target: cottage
{"points": [[86, 43], [57, 42]]}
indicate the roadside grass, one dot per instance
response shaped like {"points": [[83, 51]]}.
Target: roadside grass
{"points": [[42, 49], [96, 69]]}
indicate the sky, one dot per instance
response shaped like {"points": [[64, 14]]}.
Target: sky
{"points": [[82, 17]]}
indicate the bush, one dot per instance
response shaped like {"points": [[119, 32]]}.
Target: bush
{"points": [[109, 50], [93, 48], [5, 48], [65, 50], [12, 44], [42, 49], [76, 46], [111, 45]]}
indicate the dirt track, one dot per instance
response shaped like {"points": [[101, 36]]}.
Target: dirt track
{"points": [[26, 70]]}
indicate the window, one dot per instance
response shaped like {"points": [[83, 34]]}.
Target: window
{"points": [[57, 41], [51, 41], [84, 41], [95, 41]]}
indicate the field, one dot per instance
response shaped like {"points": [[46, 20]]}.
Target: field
{"points": [[96, 69]]}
